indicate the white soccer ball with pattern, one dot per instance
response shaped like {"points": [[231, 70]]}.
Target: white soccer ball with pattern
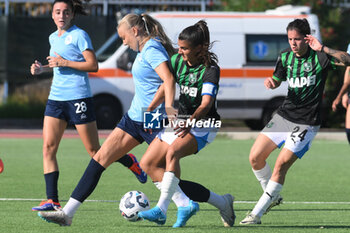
{"points": [[132, 203]]}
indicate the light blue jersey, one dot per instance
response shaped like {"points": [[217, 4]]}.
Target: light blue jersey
{"points": [[68, 83], [145, 78], [348, 49]]}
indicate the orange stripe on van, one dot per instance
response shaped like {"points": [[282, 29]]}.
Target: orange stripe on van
{"points": [[224, 73], [246, 73], [110, 73], [226, 16]]}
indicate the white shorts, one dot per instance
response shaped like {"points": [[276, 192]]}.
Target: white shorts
{"points": [[203, 136], [296, 137]]}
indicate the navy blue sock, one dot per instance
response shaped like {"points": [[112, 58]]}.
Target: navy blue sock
{"points": [[126, 160], [51, 180], [347, 131], [195, 191], [88, 181]]}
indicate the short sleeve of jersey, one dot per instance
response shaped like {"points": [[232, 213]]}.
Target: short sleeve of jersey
{"points": [[83, 41], [212, 75], [280, 73], [51, 38], [173, 61], [155, 56], [211, 81], [348, 50], [326, 61]]}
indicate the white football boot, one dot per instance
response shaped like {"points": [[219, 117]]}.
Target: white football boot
{"points": [[250, 219], [58, 217], [228, 214]]}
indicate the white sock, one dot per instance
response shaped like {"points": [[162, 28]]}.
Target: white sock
{"points": [[270, 194], [263, 175], [71, 207], [168, 187], [158, 185], [179, 198], [217, 200]]}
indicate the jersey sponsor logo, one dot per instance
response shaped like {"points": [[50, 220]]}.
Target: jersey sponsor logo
{"points": [[191, 91], [302, 81], [68, 40]]}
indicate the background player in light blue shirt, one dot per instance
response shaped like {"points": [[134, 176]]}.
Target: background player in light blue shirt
{"points": [[70, 99]]}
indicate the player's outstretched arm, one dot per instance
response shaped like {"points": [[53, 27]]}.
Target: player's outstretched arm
{"points": [[343, 89], [158, 98], [343, 58]]}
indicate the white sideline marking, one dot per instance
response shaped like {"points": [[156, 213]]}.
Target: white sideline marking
{"points": [[236, 202], [32, 199]]}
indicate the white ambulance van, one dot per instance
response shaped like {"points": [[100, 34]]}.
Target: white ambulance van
{"points": [[247, 46]]}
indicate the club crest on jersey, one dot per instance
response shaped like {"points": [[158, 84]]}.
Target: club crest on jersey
{"points": [[270, 124], [192, 78], [68, 40], [307, 66]]}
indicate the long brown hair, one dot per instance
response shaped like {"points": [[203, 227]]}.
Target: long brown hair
{"points": [[151, 27], [198, 34]]}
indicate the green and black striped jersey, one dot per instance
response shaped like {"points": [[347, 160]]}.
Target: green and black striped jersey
{"points": [[195, 82], [306, 78]]}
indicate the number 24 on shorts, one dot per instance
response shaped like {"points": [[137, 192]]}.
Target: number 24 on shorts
{"points": [[295, 133]]}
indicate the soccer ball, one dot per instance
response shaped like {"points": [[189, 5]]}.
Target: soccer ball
{"points": [[132, 203]]}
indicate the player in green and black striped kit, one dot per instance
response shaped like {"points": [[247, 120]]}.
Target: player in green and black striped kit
{"points": [[304, 66], [197, 73], [195, 82]]}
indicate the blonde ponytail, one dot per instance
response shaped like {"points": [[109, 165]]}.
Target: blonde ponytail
{"points": [[151, 27]]}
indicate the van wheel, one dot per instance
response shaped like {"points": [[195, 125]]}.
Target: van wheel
{"points": [[108, 111], [270, 109]]}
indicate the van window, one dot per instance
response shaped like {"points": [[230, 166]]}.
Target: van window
{"points": [[126, 60], [264, 49], [109, 49]]}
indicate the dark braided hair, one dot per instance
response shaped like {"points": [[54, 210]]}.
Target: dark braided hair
{"points": [[300, 25], [198, 34], [76, 6]]}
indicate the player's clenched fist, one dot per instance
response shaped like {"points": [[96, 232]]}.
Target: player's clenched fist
{"points": [[36, 68]]}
